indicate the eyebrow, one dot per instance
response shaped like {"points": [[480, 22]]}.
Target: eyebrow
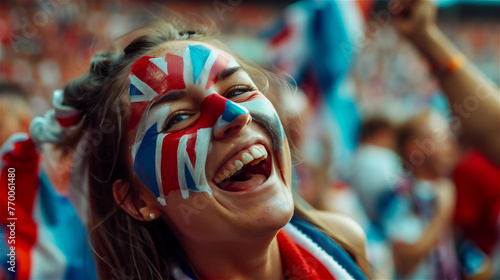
{"points": [[224, 74], [169, 97]]}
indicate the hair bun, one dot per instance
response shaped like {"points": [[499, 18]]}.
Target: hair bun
{"points": [[101, 64]]}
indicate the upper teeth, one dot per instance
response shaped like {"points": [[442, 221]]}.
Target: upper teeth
{"points": [[253, 155]]}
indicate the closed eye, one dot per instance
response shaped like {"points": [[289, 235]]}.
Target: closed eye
{"points": [[176, 120], [238, 90]]}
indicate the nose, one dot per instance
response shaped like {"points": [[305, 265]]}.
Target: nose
{"points": [[232, 121]]}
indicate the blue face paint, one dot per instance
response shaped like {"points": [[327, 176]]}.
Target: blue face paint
{"points": [[176, 161], [144, 163], [199, 55], [232, 111]]}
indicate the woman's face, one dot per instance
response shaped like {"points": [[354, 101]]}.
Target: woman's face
{"points": [[441, 147], [207, 143]]}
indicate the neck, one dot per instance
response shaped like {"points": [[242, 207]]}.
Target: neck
{"points": [[250, 258], [381, 141], [424, 174]]}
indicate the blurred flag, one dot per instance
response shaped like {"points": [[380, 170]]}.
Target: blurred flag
{"points": [[314, 42], [40, 231]]}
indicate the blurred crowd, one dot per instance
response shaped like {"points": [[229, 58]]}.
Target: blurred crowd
{"points": [[391, 77], [372, 125]]}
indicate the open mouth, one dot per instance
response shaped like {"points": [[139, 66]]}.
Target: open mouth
{"points": [[248, 168]]}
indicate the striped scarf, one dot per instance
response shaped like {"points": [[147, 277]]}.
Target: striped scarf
{"points": [[306, 253]]}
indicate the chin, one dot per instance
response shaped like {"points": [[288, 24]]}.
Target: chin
{"points": [[278, 216], [277, 211], [260, 190]]}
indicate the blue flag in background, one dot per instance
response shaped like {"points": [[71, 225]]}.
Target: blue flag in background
{"points": [[313, 42]]}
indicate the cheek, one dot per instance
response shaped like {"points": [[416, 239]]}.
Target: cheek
{"points": [[263, 112], [190, 216], [184, 154], [183, 159], [176, 161], [156, 162], [287, 165], [168, 164]]}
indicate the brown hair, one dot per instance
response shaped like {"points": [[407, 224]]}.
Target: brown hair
{"points": [[409, 131], [124, 246], [374, 125]]}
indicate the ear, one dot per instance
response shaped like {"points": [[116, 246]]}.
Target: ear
{"points": [[145, 208]]}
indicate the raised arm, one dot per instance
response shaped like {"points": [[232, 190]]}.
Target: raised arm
{"points": [[473, 98], [407, 256]]}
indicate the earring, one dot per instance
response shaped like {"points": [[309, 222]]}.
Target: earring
{"points": [[152, 216]]}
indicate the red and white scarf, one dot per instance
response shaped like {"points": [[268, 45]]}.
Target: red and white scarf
{"points": [[302, 258], [306, 253]]}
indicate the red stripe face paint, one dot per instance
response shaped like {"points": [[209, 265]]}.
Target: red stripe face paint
{"points": [[167, 160]]}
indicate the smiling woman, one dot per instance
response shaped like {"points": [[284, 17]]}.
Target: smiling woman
{"points": [[192, 179]]}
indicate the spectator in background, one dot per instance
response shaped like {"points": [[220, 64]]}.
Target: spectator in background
{"points": [[374, 173], [477, 210], [473, 97], [15, 112], [375, 164], [417, 216]]}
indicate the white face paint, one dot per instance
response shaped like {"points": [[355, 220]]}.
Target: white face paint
{"points": [[168, 160]]}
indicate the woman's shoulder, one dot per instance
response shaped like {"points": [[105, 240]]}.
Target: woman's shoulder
{"points": [[349, 231], [344, 227]]}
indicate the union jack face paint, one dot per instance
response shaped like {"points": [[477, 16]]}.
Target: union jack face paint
{"points": [[176, 161]]}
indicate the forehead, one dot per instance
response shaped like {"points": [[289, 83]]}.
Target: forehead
{"points": [[178, 48], [174, 66]]}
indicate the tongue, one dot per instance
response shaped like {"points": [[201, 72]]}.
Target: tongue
{"points": [[236, 186]]}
